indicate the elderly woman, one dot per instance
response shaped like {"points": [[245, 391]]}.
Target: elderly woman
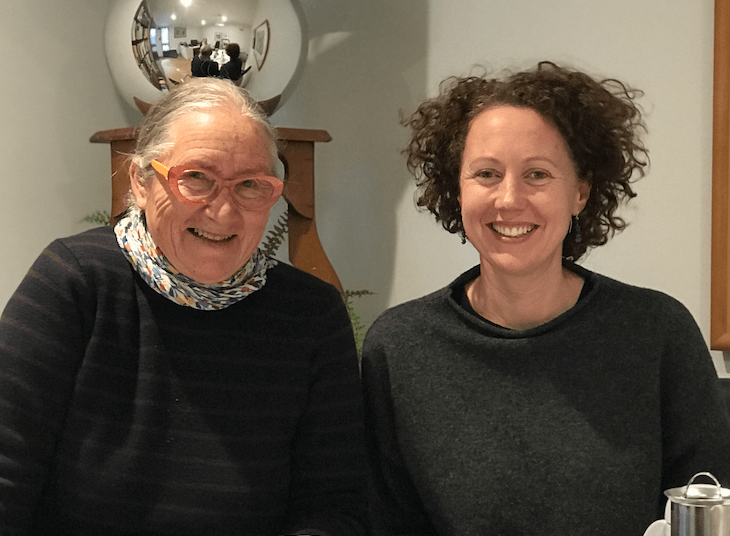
{"points": [[532, 396], [164, 376], [202, 64]]}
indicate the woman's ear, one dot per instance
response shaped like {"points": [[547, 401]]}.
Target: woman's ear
{"points": [[584, 192], [137, 185]]}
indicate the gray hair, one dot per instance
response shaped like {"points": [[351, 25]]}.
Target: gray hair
{"points": [[194, 95], [206, 51]]}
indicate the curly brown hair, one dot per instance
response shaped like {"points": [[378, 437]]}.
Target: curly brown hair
{"points": [[599, 120], [233, 50]]}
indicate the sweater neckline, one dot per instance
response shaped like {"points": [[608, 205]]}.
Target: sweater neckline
{"points": [[458, 300]]}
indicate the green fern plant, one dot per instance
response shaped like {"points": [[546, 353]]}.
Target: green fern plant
{"points": [[100, 217], [358, 327], [275, 237]]}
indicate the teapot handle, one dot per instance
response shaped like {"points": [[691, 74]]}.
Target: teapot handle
{"points": [[708, 475]]}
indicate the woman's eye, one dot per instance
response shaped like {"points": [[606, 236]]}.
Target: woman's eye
{"points": [[193, 175], [196, 181], [486, 176], [254, 188], [538, 175]]}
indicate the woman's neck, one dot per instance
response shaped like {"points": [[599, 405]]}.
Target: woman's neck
{"points": [[523, 301]]}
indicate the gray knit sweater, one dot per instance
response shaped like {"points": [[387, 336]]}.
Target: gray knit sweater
{"points": [[574, 427], [122, 412]]}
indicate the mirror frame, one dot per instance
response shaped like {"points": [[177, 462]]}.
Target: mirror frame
{"points": [[720, 283]]}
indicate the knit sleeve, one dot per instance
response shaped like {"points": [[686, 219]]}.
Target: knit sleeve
{"points": [[41, 344], [395, 506], [328, 491], [695, 421]]}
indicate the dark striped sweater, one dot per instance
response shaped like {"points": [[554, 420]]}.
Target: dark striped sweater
{"points": [[124, 413]]}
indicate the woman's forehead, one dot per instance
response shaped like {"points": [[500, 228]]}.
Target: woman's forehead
{"points": [[217, 124], [222, 137]]}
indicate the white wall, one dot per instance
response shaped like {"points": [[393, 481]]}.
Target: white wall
{"points": [[52, 176], [235, 34], [370, 59]]}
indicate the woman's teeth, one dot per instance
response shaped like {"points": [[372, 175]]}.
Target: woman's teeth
{"points": [[513, 231], [208, 236]]}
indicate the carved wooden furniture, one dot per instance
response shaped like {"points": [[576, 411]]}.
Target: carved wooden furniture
{"points": [[305, 249]]}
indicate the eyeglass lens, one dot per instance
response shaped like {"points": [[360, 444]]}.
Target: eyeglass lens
{"points": [[197, 186]]}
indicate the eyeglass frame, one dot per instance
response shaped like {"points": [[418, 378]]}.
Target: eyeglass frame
{"points": [[166, 171]]}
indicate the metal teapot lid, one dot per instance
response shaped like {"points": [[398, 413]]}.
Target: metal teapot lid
{"points": [[699, 494]]}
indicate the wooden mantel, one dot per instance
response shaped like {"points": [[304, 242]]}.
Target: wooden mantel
{"points": [[297, 153]]}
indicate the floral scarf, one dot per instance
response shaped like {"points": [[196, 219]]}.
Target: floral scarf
{"points": [[152, 265]]}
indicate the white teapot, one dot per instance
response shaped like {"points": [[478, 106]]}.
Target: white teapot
{"points": [[695, 510]]}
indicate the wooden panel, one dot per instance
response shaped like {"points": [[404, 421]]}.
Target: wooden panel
{"points": [[305, 249], [720, 327]]}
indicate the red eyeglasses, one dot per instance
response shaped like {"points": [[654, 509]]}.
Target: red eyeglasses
{"points": [[193, 186]]}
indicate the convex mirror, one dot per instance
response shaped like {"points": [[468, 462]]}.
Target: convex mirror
{"points": [[150, 44]]}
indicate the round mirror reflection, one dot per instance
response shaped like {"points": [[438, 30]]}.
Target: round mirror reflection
{"points": [[154, 45]]}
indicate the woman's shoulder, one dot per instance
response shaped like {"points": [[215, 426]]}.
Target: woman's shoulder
{"points": [[633, 292], [90, 258], [418, 313], [287, 274], [76, 268], [296, 289], [633, 299], [426, 305], [98, 245]]}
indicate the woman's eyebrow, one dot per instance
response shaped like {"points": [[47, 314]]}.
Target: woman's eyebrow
{"points": [[538, 158]]}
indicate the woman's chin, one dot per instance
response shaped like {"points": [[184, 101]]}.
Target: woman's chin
{"points": [[210, 263], [211, 281], [213, 277], [209, 275]]}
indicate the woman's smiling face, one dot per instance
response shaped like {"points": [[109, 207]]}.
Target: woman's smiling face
{"points": [[209, 242], [518, 190]]}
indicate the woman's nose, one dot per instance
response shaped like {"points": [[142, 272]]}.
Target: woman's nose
{"points": [[223, 205], [509, 192]]}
